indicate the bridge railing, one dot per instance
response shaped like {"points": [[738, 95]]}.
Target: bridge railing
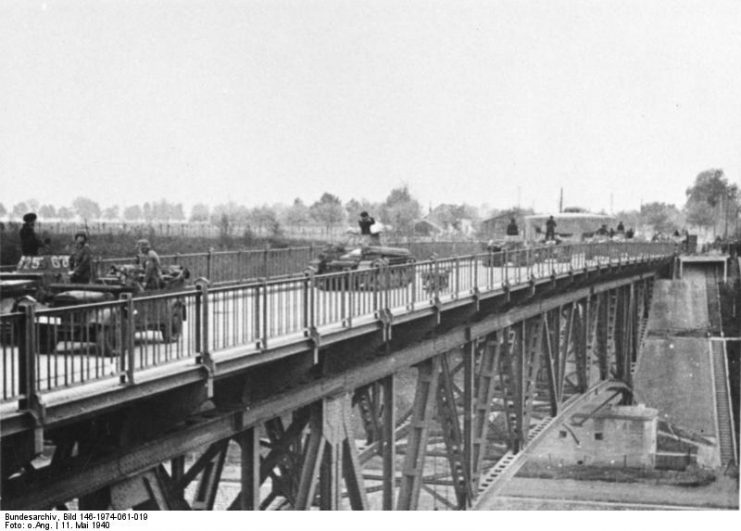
{"points": [[45, 349], [224, 266], [11, 339], [229, 266]]}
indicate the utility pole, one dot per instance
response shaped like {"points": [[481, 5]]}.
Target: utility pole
{"points": [[560, 202]]}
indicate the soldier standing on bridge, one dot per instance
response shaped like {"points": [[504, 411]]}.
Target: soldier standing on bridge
{"points": [[30, 242], [81, 261], [550, 229], [367, 223], [512, 230], [150, 261]]}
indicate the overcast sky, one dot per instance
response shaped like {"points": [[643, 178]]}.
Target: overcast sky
{"points": [[264, 101]]}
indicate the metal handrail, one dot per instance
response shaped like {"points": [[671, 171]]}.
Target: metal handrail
{"points": [[251, 314]]}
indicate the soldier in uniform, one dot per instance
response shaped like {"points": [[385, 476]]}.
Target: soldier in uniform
{"points": [[365, 223], [550, 229], [81, 260], [149, 260], [30, 242]]}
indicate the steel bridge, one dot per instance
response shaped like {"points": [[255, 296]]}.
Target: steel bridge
{"points": [[349, 390]]}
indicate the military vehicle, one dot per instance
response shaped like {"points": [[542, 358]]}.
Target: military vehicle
{"points": [[377, 267], [102, 325], [32, 279]]}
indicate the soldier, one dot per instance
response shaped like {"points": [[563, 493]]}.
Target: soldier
{"points": [[365, 223], [512, 229], [149, 260], [30, 242], [81, 260], [550, 229]]}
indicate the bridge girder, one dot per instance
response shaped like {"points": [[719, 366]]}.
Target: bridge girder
{"points": [[478, 396]]}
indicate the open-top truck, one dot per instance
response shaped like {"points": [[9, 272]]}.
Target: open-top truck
{"points": [[376, 266], [81, 318]]}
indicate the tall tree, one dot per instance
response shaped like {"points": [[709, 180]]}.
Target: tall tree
{"points": [[147, 212], [264, 219], [47, 211], [19, 209], [111, 212], [132, 213], [199, 212], [297, 214], [65, 213], [401, 210], [328, 210], [86, 208], [33, 204], [354, 207], [177, 213], [710, 199], [227, 216], [662, 217]]}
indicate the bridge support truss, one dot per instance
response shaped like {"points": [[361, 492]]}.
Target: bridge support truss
{"points": [[425, 424]]}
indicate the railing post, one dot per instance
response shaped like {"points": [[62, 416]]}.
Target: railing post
{"points": [[413, 298], [346, 305], [256, 312], [128, 328], [308, 282], [457, 276], [436, 276], [505, 263], [202, 319], [374, 278], [209, 260], [27, 354], [265, 313], [204, 352]]}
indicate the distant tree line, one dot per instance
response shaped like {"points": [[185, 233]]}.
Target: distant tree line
{"points": [[712, 204]]}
